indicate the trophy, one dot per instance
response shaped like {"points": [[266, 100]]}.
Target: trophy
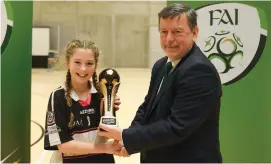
{"points": [[109, 82]]}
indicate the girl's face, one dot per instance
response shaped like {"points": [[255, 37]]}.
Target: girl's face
{"points": [[82, 65]]}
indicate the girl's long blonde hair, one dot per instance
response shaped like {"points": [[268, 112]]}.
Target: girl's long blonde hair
{"points": [[86, 44]]}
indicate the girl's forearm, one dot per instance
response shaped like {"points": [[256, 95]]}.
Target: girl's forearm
{"points": [[77, 147]]}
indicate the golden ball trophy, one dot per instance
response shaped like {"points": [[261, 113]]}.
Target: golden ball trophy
{"points": [[109, 82]]}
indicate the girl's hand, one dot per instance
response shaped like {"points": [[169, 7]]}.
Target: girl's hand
{"points": [[116, 103]]}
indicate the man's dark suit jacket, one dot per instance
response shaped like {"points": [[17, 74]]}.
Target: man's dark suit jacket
{"points": [[181, 123]]}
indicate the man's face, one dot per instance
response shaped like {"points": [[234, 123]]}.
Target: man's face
{"points": [[176, 37]]}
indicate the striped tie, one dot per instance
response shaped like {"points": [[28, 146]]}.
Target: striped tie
{"points": [[166, 73], [168, 69]]}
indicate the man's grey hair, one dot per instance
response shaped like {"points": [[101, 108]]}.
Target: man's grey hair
{"points": [[178, 9]]}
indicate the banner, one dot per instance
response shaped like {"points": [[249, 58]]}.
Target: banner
{"points": [[16, 36], [234, 36]]}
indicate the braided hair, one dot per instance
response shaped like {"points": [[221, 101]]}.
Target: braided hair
{"points": [[70, 49]]}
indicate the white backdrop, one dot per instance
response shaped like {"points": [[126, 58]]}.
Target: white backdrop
{"points": [[40, 41]]}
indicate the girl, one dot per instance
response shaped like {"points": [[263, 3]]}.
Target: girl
{"points": [[73, 113]]}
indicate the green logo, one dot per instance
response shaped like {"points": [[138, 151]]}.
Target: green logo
{"points": [[6, 24], [225, 50], [230, 41]]}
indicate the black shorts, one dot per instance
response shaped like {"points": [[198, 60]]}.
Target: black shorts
{"points": [[100, 158]]}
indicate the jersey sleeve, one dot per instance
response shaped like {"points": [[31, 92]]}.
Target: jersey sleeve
{"points": [[56, 124]]}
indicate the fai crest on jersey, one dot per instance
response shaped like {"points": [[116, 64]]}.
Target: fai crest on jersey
{"points": [[232, 36]]}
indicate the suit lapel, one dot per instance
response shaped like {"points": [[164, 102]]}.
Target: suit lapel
{"points": [[163, 88], [156, 87], [155, 98]]}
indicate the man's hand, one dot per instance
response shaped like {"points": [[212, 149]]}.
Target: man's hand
{"points": [[110, 132], [123, 152], [112, 146]]}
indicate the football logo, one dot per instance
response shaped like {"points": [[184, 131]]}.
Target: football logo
{"points": [[225, 50], [231, 41]]}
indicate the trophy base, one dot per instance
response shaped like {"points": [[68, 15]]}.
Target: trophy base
{"points": [[109, 121]]}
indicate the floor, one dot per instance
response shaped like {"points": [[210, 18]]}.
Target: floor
{"points": [[133, 88]]}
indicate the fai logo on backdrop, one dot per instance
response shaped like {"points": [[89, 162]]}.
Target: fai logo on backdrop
{"points": [[6, 24], [233, 37]]}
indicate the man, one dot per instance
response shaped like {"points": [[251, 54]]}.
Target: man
{"points": [[179, 119]]}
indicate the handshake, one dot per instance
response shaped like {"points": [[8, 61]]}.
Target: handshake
{"points": [[115, 147]]}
